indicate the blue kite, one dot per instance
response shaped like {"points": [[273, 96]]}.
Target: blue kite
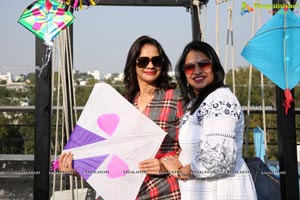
{"points": [[275, 51]]}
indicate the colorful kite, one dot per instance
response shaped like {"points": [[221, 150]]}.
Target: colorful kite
{"points": [[109, 140], [46, 19], [79, 3], [275, 51]]}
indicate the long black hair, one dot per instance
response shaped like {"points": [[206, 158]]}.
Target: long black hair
{"points": [[218, 72], [130, 77]]}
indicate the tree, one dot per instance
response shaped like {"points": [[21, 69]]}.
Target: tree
{"points": [[27, 132], [11, 139], [20, 139], [3, 82], [242, 78]]}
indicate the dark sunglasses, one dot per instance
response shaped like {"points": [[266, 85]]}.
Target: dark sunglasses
{"points": [[189, 68], [143, 62]]}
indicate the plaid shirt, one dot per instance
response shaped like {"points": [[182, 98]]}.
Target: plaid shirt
{"points": [[165, 110]]}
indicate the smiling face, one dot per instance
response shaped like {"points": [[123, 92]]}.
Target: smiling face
{"points": [[202, 75], [150, 73]]}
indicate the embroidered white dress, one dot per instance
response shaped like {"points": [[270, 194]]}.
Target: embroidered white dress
{"points": [[211, 140]]}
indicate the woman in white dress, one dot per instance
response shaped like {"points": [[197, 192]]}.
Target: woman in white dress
{"points": [[210, 164]]}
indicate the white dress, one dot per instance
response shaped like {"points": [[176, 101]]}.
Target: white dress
{"points": [[211, 140]]}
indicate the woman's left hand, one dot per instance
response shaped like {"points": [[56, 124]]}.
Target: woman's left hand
{"points": [[151, 166], [171, 163], [175, 168], [65, 163]]}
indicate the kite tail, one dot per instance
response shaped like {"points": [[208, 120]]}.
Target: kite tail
{"points": [[288, 100], [45, 60], [54, 165], [92, 2], [78, 4]]}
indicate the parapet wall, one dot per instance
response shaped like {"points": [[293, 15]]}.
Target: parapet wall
{"points": [[17, 179]]}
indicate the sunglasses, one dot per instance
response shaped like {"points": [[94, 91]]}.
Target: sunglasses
{"points": [[189, 68], [143, 62]]}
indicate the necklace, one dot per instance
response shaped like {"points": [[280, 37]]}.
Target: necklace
{"points": [[144, 99]]}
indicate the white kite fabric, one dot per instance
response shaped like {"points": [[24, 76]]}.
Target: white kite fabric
{"points": [[109, 140]]}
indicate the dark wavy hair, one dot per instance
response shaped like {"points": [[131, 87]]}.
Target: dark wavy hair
{"points": [[218, 72], [130, 77]]}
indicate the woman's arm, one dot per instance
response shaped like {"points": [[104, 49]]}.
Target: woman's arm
{"points": [[218, 121], [152, 166]]}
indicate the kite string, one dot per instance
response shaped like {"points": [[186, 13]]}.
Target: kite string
{"points": [[204, 24], [263, 104], [72, 75], [263, 97], [61, 82], [217, 33], [197, 4], [62, 145], [72, 88], [60, 74], [56, 125], [249, 91], [65, 79], [232, 48], [65, 100], [45, 60], [217, 26], [230, 37]]}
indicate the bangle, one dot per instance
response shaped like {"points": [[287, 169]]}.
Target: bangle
{"points": [[179, 173]]}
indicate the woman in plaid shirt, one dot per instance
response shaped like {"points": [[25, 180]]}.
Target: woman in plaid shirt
{"points": [[149, 88]]}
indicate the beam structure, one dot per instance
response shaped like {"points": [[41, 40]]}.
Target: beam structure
{"points": [[42, 124], [185, 3], [196, 29]]}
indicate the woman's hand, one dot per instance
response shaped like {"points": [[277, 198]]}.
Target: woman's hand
{"points": [[175, 167], [171, 163], [152, 166], [65, 163]]}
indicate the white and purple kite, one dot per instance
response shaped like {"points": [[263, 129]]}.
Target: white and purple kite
{"points": [[109, 140]]}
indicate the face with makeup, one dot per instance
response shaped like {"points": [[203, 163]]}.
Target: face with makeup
{"points": [[198, 70], [148, 64]]}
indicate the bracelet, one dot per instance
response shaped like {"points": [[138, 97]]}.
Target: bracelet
{"points": [[179, 173]]}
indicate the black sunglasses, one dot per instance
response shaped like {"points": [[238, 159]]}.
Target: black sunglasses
{"points": [[143, 62], [189, 68]]}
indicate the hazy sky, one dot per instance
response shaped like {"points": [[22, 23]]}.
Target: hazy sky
{"points": [[103, 34]]}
